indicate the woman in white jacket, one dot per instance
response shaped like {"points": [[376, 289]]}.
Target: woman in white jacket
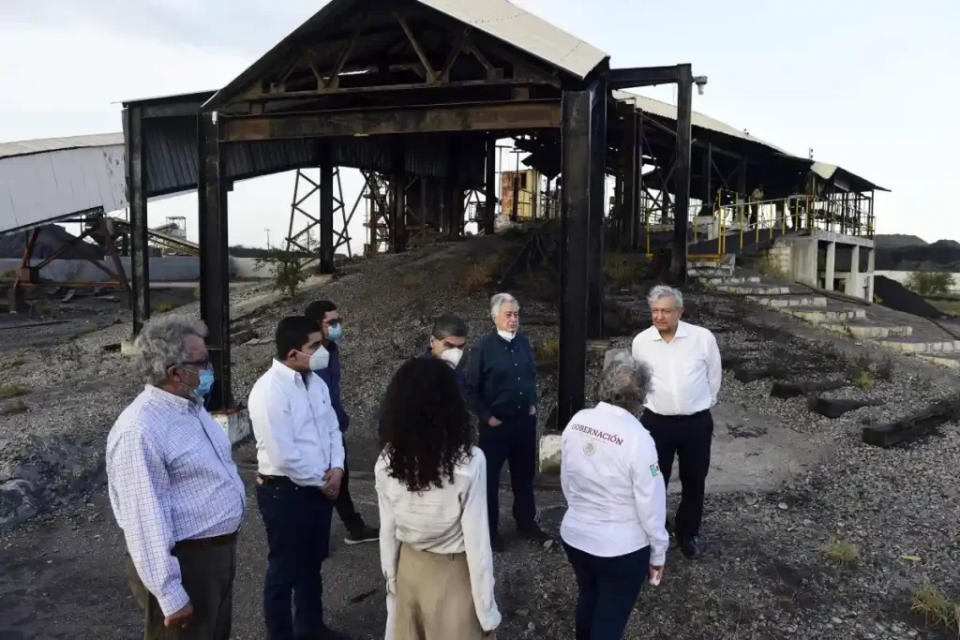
{"points": [[434, 533], [614, 528]]}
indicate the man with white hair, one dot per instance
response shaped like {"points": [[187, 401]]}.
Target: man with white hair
{"points": [[685, 364], [502, 392], [174, 488]]}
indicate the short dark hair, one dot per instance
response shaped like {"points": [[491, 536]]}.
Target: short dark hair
{"points": [[317, 310], [449, 325], [292, 333], [426, 430]]}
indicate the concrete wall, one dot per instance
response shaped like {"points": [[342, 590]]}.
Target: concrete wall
{"points": [[799, 258], [166, 269]]}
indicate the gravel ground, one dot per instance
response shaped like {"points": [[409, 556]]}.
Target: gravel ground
{"points": [[764, 574]]}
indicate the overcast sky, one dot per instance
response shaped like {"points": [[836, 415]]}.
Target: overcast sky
{"points": [[871, 86]]}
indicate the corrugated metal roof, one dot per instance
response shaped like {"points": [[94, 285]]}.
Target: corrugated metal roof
{"points": [[840, 176], [524, 30], [498, 18], [44, 145], [667, 110], [830, 172]]}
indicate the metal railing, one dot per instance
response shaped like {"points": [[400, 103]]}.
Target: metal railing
{"points": [[748, 222]]}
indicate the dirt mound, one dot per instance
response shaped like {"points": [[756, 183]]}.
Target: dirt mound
{"points": [[901, 253], [891, 293], [50, 239]]}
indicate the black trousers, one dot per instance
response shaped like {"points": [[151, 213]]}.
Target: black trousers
{"points": [[344, 504], [688, 438], [297, 520], [513, 442], [608, 591], [207, 576]]}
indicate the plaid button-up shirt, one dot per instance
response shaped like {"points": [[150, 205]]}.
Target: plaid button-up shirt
{"points": [[171, 477]]}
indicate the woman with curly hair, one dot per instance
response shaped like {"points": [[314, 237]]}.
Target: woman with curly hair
{"points": [[434, 535]]}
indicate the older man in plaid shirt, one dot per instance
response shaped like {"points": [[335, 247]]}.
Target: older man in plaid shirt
{"points": [[174, 489]]}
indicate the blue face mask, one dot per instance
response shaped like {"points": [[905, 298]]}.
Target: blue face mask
{"points": [[206, 383], [335, 333]]}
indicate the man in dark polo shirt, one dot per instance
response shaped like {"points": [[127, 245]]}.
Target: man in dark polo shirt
{"points": [[502, 392]]}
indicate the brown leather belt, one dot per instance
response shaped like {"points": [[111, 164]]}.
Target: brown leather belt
{"points": [[215, 541]]}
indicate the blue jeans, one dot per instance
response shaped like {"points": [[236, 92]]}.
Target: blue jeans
{"points": [[297, 520], [513, 442], [608, 591]]}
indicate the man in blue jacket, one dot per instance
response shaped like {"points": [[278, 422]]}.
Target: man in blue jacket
{"points": [[502, 392], [447, 340], [325, 314]]}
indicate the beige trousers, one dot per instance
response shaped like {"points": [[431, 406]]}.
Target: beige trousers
{"points": [[434, 601]]}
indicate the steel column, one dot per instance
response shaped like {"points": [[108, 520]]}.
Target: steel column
{"points": [[574, 224], [456, 209], [708, 175], [490, 205], [398, 216], [214, 259], [681, 178], [598, 206], [326, 216], [137, 199]]}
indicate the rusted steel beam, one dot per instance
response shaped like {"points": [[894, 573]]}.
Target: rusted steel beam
{"points": [[137, 199], [577, 147], [643, 77], [214, 259], [681, 182], [598, 205], [421, 53], [486, 117]]}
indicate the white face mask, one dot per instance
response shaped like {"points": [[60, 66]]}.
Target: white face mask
{"points": [[507, 335], [452, 356], [319, 359]]}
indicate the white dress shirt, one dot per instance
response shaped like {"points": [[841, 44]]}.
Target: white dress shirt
{"points": [[686, 371], [295, 426], [616, 500], [171, 477], [446, 520]]}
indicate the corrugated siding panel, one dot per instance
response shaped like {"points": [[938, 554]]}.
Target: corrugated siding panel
{"points": [[44, 186], [172, 156]]}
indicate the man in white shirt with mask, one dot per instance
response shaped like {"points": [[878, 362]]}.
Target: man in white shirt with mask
{"points": [[300, 461], [685, 363]]}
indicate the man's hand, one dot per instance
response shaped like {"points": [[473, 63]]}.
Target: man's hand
{"points": [[655, 575], [180, 619], [533, 409], [331, 483], [493, 422]]}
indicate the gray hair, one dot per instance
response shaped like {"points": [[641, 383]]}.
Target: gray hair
{"points": [[161, 344], [497, 301], [663, 291], [624, 382]]}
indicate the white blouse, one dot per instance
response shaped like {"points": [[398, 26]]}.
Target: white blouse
{"points": [[446, 520]]}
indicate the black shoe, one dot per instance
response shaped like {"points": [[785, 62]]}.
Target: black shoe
{"points": [[691, 547], [535, 534], [362, 534], [496, 543]]}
